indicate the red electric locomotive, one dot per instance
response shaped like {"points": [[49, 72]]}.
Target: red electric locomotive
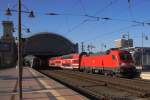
{"points": [[114, 62]]}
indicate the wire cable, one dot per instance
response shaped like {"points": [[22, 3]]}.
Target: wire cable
{"points": [[106, 7], [82, 6], [108, 33]]}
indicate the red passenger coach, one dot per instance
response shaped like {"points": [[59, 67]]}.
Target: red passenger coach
{"points": [[113, 62], [55, 62], [70, 61]]}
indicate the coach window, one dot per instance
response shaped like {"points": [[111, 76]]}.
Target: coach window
{"points": [[113, 57], [76, 61]]}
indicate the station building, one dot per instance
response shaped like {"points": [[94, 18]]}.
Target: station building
{"points": [[8, 48], [42, 45], [123, 43]]}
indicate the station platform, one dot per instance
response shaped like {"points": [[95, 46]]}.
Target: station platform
{"points": [[145, 75], [36, 86]]}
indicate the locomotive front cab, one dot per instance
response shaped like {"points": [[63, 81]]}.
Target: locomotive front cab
{"points": [[125, 58], [127, 67]]}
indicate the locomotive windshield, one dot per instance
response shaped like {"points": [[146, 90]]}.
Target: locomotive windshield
{"points": [[124, 56]]}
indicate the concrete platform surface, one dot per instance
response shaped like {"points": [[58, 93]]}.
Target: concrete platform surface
{"points": [[36, 86], [145, 75]]}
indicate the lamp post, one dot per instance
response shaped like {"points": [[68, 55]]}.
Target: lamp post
{"points": [[146, 38], [82, 47], [20, 69], [142, 51], [27, 30]]}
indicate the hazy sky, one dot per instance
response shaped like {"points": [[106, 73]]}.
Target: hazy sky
{"points": [[73, 24]]}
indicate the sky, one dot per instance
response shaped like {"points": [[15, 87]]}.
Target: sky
{"points": [[76, 23]]}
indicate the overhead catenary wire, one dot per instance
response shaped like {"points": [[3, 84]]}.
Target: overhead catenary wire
{"points": [[106, 34], [83, 22], [108, 19], [104, 18], [130, 9], [106, 7], [122, 20], [90, 17], [82, 6], [93, 16]]}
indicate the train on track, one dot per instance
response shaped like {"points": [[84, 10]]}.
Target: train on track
{"points": [[114, 62]]}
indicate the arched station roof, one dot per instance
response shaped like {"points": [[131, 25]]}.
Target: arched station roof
{"points": [[48, 44]]}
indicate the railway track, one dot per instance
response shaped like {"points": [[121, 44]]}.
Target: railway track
{"points": [[100, 87]]}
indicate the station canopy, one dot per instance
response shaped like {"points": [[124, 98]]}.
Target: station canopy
{"points": [[48, 45]]}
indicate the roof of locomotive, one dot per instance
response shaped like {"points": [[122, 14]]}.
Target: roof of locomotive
{"points": [[109, 51]]}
